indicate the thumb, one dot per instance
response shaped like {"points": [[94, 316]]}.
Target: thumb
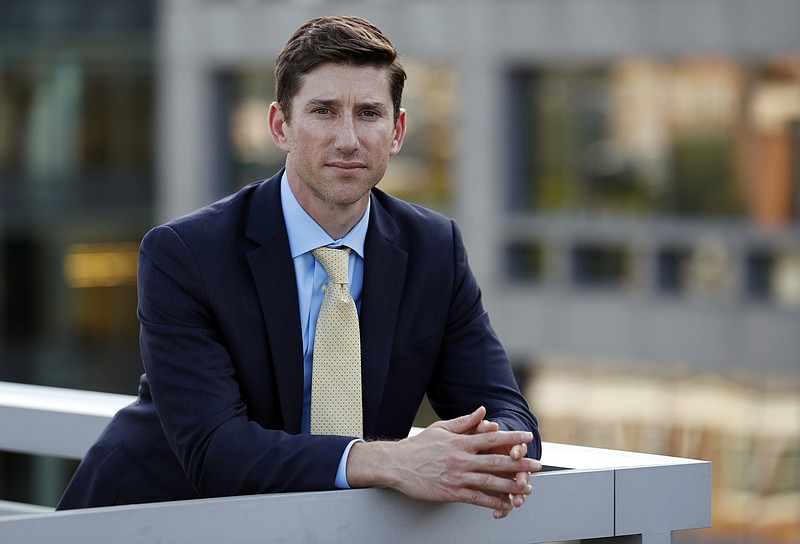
{"points": [[464, 424]]}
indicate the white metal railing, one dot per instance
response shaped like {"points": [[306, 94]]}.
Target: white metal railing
{"points": [[54, 421], [595, 494]]}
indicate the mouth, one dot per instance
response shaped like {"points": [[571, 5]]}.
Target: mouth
{"points": [[347, 166]]}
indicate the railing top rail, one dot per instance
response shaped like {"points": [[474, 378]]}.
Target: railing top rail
{"points": [[566, 505], [54, 421], [39, 397]]}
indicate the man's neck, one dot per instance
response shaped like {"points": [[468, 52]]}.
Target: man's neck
{"points": [[335, 219]]}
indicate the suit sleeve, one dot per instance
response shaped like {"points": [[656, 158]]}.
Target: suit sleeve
{"points": [[473, 367], [195, 390]]}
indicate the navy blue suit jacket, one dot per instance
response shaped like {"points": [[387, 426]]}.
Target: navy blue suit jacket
{"points": [[220, 401]]}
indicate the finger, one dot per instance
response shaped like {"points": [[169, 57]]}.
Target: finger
{"points": [[487, 489], [499, 485], [498, 502], [522, 480], [463, 424], [519, 451], [487, 427], [500, 514], [490, 441], [515, 502], [500, 465]]}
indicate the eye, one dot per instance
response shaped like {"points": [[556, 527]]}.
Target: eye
{"points": [[370, 114], [322, 111]]}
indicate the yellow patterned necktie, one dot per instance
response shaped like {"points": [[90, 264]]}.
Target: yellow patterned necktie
{"points": [[336, 373]]}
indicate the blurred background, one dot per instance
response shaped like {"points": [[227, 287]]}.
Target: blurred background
{"points": [[625, 173]]}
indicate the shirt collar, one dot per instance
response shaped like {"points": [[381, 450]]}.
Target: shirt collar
{"points": [[305, 234]]}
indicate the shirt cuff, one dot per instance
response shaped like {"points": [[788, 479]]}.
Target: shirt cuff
{"points": [[341, 474]]}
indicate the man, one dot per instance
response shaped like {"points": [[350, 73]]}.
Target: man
{"points": [[230, 302]]}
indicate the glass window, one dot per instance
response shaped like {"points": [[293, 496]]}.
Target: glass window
{"points": [[698, 137], [601, 265], [76, 104]]}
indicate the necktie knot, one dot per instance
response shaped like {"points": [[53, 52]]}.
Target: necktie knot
{"points": [[335, 262]]}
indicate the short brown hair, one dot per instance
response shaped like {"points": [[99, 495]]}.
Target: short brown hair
{"points": [[344, 40]]}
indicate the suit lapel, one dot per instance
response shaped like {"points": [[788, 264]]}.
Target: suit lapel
{"points": [[384, 274], [273, 272]]}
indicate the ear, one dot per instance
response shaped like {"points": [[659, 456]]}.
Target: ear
{"points": [[278, 126], [399, 133]]}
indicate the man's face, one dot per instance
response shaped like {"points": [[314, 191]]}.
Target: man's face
{"points": [[341, 134]]}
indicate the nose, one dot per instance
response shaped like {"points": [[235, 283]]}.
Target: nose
{"points": [[346, 136]]}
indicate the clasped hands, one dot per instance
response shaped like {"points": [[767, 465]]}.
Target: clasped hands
{"points": [[466, 459]]}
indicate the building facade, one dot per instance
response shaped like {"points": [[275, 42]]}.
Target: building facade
{"points": [[625, 174]]}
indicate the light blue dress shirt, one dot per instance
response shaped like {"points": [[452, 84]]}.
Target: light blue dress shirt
{"points": [[305, 235]]}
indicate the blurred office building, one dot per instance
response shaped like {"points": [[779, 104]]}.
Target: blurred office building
{"points": [[625, 174]]}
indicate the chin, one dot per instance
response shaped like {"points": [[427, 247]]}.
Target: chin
{"points": [[349, 196]]}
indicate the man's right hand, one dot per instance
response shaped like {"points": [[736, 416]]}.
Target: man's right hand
{"points": [[457, 460]]}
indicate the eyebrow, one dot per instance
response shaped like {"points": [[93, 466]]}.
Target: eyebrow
{"points": [[331, 102]]}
